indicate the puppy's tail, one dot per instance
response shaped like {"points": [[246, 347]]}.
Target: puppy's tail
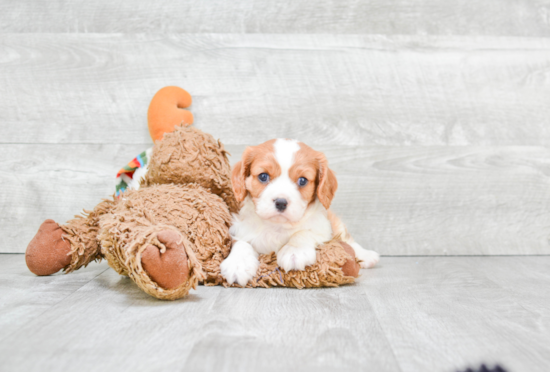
{"points": [[167, 110]]}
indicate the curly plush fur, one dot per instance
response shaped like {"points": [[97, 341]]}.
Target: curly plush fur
{"points": [[187, 191], [192, 156]]}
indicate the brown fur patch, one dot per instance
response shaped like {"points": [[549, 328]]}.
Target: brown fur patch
{"points": [[306, 165], [327, 183]]}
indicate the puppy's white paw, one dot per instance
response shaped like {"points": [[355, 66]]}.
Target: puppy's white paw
{"points": [[293, 258], [369, 258], [239, 269]]}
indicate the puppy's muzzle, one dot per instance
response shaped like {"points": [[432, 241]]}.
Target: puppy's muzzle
{"points": [[280, 204]]}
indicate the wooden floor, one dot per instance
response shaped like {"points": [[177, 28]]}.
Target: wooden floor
{"points": [[409, 314]]}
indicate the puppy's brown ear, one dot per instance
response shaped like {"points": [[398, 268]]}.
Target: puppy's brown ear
{"points": [[327, 183], [238, 180], [239, 174]]}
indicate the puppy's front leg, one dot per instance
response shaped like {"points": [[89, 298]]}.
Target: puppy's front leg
{"points": [[369, 259], [299, 252], [241, 264]]}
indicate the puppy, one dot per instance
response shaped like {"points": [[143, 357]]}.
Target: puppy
{"points": [[285, 189]]}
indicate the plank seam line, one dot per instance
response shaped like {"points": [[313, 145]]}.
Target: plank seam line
{"points": [[383, 329]]}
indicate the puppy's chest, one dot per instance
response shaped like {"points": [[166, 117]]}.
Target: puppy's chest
{"points": [[271, 239]]}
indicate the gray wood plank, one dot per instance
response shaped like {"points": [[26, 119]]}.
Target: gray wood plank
{"points": [[25, 297], [452, 17], [54, 181], [281, 329], [408, 314], [396, 200], [326, 89], [214, 329], [442, 314], [445, 200]]}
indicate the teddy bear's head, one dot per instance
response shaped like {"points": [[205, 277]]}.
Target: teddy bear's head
{"points": [[189, 155]]}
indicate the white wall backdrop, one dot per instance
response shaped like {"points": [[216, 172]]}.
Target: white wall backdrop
{"points": [[434, 115]]}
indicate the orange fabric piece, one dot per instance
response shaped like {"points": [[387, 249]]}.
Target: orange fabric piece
{"points": [[167, 110]]}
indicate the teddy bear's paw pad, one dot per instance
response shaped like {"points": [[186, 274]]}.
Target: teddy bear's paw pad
{"points": [[351, 267], [169, 269], [48, 252]]}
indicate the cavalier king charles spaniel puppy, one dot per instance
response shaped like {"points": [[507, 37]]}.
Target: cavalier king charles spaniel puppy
{"points": [[285, 189]]}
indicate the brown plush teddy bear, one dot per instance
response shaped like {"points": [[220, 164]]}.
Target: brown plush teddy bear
{"points": [[173, 232]]}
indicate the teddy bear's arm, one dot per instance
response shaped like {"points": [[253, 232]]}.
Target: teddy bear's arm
{"points": [[67, 247]]}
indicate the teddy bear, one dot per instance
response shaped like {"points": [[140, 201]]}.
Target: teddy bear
{"points": [[171, 232]]}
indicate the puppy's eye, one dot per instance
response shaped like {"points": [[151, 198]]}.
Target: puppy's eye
{"points": [[302, 181], [263, 177]]}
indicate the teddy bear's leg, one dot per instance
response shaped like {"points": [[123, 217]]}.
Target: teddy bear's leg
{"points": [[67, 247], [336, 265], [158, 258], [351, 267]]}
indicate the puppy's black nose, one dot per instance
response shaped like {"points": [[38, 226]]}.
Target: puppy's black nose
{"points": [[280, 204]]}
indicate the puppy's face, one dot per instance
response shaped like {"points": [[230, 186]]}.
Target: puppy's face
{"points": [[283, 177]]}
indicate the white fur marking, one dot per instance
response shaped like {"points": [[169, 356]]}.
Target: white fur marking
{"points": [[282, 187], [285, 150]]}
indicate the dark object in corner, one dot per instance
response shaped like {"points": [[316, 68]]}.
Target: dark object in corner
{"points": [[484, 368]]}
